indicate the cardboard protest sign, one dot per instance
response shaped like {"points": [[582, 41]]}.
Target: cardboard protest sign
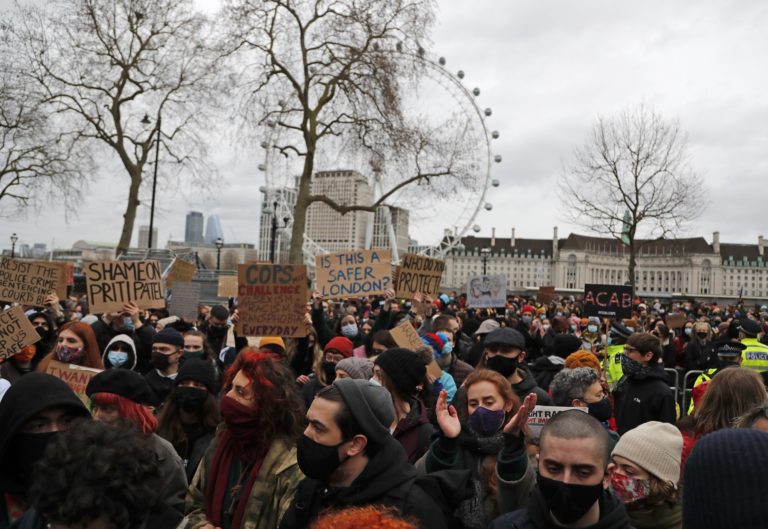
{"points": [[607, 301], [27, 282], [486, 291], [76, 377], [418, 274], [406, 336], [546, 295], [66, 275], [185, 298], [181, 271], [540, 415], [271, 300], [112, 284], [353, 274], [227, 287], [16, 332], [675, 320]]}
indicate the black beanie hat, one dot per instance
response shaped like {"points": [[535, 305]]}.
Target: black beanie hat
{"points": [[404, 367], [564, 344], [220, 312], [170, 336], [123, 382], [200, 371], [722, 476]]}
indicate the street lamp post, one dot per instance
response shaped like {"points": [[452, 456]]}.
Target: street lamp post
{"points": [[485, 253], [14, 240], [219, 242], [275, 227], [146, 121]]}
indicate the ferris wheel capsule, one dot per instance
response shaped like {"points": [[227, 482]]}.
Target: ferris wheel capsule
{"points": [[460, 74], [488, 206], [487, 112], [476, 228], [476, 91], [441, 60], [495, 182], [495, 134], [497, 158]]}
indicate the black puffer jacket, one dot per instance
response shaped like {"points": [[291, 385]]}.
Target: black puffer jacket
{"points": [[638, 400], [388, 480]]}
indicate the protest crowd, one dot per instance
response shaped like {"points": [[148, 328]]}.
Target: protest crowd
{"points": [[383, 411]]}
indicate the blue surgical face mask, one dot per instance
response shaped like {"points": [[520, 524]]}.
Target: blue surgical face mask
{"points": [[527, 319], [448, 348], [592, 328], [349, 330], [688, 331], [117, 358]]}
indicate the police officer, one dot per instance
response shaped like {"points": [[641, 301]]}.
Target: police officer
{"points": [[729, 354], [617, 339], [755, 355]]}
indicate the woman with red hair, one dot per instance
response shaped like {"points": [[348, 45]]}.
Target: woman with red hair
{"points": [[76, 345], [120, 396], [250, 473]]}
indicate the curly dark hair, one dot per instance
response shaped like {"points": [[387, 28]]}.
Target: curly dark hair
{"points": [[93, 470], [276, 395]]}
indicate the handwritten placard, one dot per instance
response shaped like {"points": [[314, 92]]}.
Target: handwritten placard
{"points": [[76, 377], [16, 332], [419, 274], [406, 336], [227, 287], [486, 291], [66, 276], [272, 300], [546, 295], [112, 284], [541, 415], [181, 271], [607, 301], [185, 298], [27, 282], [675, 320], [353, 274]]}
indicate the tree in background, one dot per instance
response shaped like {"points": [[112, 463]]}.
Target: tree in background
{"points": [[331, 75], [122, 73], [633, 174]]}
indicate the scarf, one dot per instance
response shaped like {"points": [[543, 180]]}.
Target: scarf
{"points": [[217, 486]]}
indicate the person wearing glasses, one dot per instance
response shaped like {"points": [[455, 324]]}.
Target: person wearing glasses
{"points": [[643, 393]]}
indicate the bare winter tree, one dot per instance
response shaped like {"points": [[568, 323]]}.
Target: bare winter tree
{"points": [[36, 158], [633, 177], [123, 72], [333, 72]]}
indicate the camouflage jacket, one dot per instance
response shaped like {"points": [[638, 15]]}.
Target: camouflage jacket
{"points": [[270, 497]]}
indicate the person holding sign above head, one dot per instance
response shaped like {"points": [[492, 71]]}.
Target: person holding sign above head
{"points": [[504, 353], [249, 474], [217, 328], [128, 322], [167, 348], [487, 438], [76, 345], [643, 394], [572, 481]]}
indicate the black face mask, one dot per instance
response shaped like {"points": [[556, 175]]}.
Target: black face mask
{"points": [[329, 370], [44, 333], [506, 367], [160, 361], [317, 461], [26, 450], [217, 331], [567, 501], [600, 410], [702, 336], [190, 399]]}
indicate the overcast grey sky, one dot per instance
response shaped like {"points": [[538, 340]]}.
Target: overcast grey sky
{"points": [[547, 69]]}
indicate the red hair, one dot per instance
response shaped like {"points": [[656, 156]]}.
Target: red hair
{"points": [[370, 517], [92, 356], [135, 413]]}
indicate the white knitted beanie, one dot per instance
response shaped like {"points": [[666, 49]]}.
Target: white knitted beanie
{"points": [[654, 446]]}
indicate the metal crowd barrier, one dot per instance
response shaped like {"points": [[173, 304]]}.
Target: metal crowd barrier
{"points": [[687, 392], [676, 378]]}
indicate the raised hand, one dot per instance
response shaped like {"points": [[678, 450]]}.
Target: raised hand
{"points": [[519, 419], [447, 418]]}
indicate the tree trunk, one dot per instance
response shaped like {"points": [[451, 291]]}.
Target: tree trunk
{"points": [[632, 262], [296, 256], [129, 218]]}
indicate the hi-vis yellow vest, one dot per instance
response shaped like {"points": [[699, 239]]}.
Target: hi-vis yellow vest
{"points": [[755, 356], [613, 371]]}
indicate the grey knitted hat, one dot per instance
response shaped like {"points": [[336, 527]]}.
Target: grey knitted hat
{"points": [[356, 367], [654, 446], [370, 405]]}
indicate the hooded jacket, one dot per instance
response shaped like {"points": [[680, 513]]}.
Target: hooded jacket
{"points": [[414, 431], [545, 369], [29, 396], [132, 360], [48, 340], [638, 400], [528, 385], [388, 479], [142, 340], [537, 516]]}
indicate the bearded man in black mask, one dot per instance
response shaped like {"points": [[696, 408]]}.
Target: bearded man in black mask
{"points": [[504, 352], [33, 411], [216, 329], [572, 482]]}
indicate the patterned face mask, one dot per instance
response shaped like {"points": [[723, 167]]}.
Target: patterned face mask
{"points": [[629, 489]]}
